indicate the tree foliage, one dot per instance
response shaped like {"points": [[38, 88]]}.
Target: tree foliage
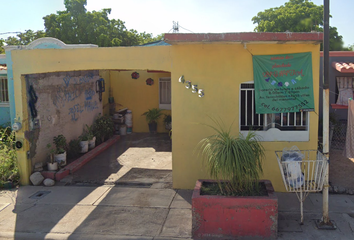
{"points": [[1, 46], [25, 38], [76, 25], [296, 16]]}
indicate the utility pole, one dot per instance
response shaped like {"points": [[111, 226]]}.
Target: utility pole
{"points": [[175, 27], [325, 223]]}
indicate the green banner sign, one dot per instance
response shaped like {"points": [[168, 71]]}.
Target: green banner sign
{"points": [[283, 83]]}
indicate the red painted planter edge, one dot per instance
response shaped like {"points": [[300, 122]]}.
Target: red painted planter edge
{"points": [[198, 185]]}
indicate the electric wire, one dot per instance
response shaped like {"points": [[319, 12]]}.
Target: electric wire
{"points": [[8, 33], [185, 29]]}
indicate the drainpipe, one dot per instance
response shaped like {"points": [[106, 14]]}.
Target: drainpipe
{"points": [[325, 222]]}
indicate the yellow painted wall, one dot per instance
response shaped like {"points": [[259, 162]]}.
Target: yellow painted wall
{"points": [[135, 95], [220, 69]]}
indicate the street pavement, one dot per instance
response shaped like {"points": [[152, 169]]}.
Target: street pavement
{"points": [[120, 212]]}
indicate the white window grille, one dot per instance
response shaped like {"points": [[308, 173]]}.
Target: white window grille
{"points": [[4, 93], [165, 93], [271, 127]]}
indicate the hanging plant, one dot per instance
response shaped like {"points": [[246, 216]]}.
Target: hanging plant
{"points": [[149, 81], [135, 75]]}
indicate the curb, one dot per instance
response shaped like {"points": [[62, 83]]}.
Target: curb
{"points": [[81, 161]]}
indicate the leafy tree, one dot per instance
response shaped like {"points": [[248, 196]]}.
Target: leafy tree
{"points": [[2, 51], [296, 16], [25, 38], [77, 25]]}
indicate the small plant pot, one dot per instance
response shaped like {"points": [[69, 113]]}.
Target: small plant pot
{"points": [[52, 166], [153, 127], [84, 146], [60, 158], [92, 143]]}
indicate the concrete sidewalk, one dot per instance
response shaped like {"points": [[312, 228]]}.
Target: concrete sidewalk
{"points": [[116, 212]]}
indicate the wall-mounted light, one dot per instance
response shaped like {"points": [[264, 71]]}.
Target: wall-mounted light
{"points": [[200, 93], [189, 84], [181, 79], [16, 126], [194, 88]]}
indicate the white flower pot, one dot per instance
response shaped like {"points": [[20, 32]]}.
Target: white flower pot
{"points": [[60, 158], [52, 166], [84, 146], [92, 143]]}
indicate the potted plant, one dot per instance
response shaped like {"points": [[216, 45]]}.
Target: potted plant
{"points": [[84, 141], [60, 149], [152, 115], [167, 121], [235, 204], [52, 165], [91, 137], [103, 128]]}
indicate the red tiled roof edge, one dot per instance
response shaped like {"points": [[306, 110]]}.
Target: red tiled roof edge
{"points": [[339, 54], [343, 67]]}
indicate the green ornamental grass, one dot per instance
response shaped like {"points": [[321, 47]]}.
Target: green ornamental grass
{"points": [[234, 161]]}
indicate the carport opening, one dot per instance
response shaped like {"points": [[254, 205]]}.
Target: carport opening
{"points": [[65, 102]]}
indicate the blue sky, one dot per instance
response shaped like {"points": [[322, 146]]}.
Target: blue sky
{"points": [[156, 16]]}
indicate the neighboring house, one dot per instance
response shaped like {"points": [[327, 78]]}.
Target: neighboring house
{"points": [[219, 64], [341, 78], [4, 94]]}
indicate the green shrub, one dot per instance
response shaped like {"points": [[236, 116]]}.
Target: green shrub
{"points": [[60, 144], [74, 148], [103, 128], [8, 157]]}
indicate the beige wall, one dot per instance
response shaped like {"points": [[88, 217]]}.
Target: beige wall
{"points": [[66, 102]]}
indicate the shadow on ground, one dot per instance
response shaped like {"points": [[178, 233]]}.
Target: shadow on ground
{"points": [[135, 151], [341, 170], [125, 191]]}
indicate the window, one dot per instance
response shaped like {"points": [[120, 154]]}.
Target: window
{"points": [[4, 94], [271, 127], [344, 89], [165, 93]]}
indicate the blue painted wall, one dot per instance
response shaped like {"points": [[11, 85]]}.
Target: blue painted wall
{"points": [[5, 116], [4, 110], [10, 83]]}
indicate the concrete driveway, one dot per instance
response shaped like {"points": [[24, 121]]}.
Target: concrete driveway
{"points": [[137, 159]]}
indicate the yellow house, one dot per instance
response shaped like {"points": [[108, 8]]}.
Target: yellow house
{"points": [[219, 64]]}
